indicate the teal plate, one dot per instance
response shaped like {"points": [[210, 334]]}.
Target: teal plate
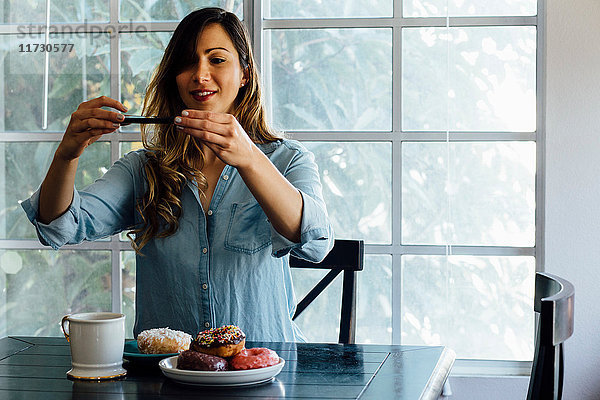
{"points": [[133, 355]]}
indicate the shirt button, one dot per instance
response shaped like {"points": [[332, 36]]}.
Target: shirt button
{"points": [[204, 250], [209, 212], [225, 177], [204, 286], [207, 324]]}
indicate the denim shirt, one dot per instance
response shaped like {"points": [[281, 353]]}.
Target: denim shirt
{"points": [[228, 266]]}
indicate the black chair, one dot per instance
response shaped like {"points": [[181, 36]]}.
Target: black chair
{"points": [[347, 257], [554, 301]]}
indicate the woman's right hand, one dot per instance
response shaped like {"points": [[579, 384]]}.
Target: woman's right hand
{"points": [[88, 123]]}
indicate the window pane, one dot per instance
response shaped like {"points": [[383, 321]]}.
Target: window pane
{"points": [[330, 79], [42, 286], [140, 54], [357, 188], [23, 166], [172, 10], [128, 279], [457, 8], [34, 11], [126, 147], [480, 307], [327, 9], [320, 321], [374, 301], [19, 11], [487, 197], [78, 11], [79, 73], [487, 84]]}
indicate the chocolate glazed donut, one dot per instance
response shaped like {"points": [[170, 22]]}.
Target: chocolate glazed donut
{"points": [[193, 360], [225, 341]]}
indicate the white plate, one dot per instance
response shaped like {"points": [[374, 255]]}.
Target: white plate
{"points": [[219, 378]]}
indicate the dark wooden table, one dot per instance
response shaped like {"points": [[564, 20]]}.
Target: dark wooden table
{"points": [[35, 368]]}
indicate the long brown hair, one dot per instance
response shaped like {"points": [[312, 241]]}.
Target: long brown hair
{"points": [[174, 157]]}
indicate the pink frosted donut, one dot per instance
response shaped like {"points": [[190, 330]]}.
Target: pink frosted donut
{"points": [[258, 357]]}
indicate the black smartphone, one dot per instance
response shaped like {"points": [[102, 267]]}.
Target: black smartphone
{"points": [[136, 119]]}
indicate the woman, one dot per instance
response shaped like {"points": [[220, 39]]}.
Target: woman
{"points": [[216, 202]]}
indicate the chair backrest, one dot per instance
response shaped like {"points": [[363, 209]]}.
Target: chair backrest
{"points": [[554, 301], [346, 256]]}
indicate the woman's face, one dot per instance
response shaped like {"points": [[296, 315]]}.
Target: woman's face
{"points": [[212, 83]]}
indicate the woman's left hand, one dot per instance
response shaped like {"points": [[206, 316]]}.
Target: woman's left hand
{"points": [[221, 133]]}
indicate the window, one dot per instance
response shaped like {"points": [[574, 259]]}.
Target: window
{"points": [[423, 116]]}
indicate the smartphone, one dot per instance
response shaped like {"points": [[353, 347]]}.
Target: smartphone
{"points": [[136, 119]]}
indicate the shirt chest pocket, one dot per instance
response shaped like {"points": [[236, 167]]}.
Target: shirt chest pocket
{"points": [[249, 230]]}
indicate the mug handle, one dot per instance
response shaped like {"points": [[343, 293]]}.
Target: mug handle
{"points": [[62, 327]]}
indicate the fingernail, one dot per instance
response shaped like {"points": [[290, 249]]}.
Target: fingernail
{"points": [[120, 117], [180, 127], [178, 119], [185, 113], [115, 125]]}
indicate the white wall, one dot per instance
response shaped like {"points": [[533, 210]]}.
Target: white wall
{"points": [[573, 179], [572, 196]]}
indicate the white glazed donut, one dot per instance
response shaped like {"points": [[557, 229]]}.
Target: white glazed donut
{"points": [[162, 341]]}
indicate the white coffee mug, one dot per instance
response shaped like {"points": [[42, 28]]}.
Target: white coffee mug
{"points": [[97, 340]]}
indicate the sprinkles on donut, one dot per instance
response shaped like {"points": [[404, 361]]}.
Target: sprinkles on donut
{"points": [[225, 341]]}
